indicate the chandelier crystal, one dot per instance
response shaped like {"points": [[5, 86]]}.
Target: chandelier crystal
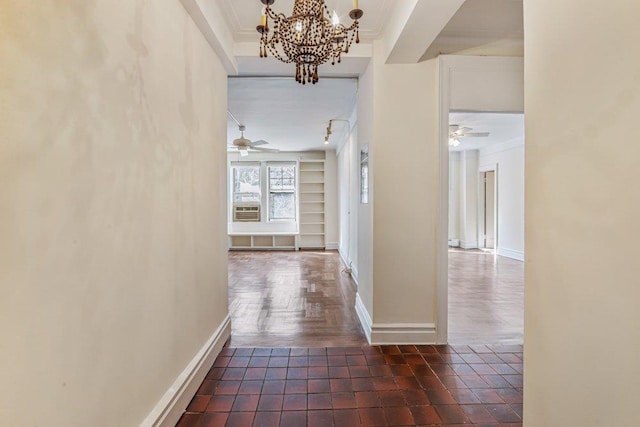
{"points": [[311, 36]]}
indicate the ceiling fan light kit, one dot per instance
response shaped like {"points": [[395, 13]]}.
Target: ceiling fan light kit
{"points": [[311, 36], [456, 132], [244, 145]]}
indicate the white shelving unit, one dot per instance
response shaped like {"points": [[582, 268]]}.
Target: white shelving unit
{"points": [[262, 241], [312, 220]]}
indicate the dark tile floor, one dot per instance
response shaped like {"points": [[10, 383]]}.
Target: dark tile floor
{"points": [[368, 386]]}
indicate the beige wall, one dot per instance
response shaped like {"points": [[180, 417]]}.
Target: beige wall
{"points": [[582, 207], [112, 215], [406, 191]]}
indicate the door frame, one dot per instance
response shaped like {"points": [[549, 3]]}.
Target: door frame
{"points": [[481, 206]]}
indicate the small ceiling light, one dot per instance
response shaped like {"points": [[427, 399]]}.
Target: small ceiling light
{"points": [[316, 37], [326, 140], [453, 142]]}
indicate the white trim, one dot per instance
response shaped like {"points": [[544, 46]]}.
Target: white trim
{"points": [[365, 318], [403, 333], [511, 253], [171, 406], [331, 246], [468, 245]]}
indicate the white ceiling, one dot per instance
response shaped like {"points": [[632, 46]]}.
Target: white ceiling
{"points": [[244, 15], [503, 128], [288, 116]]}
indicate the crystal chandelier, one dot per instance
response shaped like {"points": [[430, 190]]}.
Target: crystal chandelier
{"points": [[309, 37]]}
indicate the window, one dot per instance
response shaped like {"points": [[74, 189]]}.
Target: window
{"points": [[364, 175], [246, 184], [282, 192]]}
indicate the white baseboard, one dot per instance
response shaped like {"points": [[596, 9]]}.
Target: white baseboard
{"points": [[354, 271], [394, 333], [332, 246], [171, 406], [403, 333], [454, 243], [468, 245], [365, 318], [510, 253]]}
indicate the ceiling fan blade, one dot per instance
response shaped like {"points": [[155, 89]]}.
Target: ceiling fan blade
{"points": [[474, 134], [266, 150], [259, 142]]}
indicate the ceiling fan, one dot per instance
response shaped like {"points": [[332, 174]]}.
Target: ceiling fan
{"points": [[243, 145], [456, 132]]}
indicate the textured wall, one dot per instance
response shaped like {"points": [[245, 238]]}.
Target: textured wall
{"points": [[112, 216]]}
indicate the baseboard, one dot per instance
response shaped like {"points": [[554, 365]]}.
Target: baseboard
{"points": [[510, 253], [365, 318], [332, 246], [403, 333], [354, 272], [454, 243], [171, 406], [468, 245]]}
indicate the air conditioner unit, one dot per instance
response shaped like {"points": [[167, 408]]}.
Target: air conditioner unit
{"points": [[246, 213]]}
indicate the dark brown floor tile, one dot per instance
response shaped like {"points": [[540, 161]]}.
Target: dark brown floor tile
{"points": [[215, 374], [227, 352], [338, 385], [243, 352], [208, 387], [266, 419], [214, 419], [450, 414], [464, 396], [338, 372], [221, 362], [452, 358], [488, 396], [270, 402], [440, 397], [318, 386], [394, 359], [299, 352], [337, 360], [238, 362], [414, 359], [408, 349], [391, 398], [356, 360], [336, 351], [231, 374], [478, 414], [380, 371], [320, 418], [479, 348], [227, 387], [474, 381], [374, 360], [240, 419], [273, 387], [297, 373], [319, 401], [293, 418], [416, 397], [433, 358], [359, 371], [490, 358], [422, 371], [518, 367], [399, 416], [509, 358], [503, 413], [318, 361], [401, 370], [198, 403], [189, 420], [343, 400], [346, 418], [462, 349], [276, 373], [318, 351], [431, 383], [483, 369], [496, 381], [278, 362], [503, 368], [367, 399], [250, 387], [280, 352], [514, 380], [261, 352], [258, 362], [472, 358], [425, 415], [453, 382], [462, 369], [298, 362], [389, 349], [295, 386], [362, 384], [442, 369], [372, 417], [255, 374], [295, 402], [384, 383], [318, 372], [245, 403], [510, 395], [407, 383], [517, 408]]}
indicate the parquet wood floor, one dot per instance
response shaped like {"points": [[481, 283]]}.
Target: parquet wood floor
{"points": [[486, 298], [291, 299]]}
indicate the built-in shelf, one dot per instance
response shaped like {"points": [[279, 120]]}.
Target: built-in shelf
{"points": [[263, 241], [312, 226]]}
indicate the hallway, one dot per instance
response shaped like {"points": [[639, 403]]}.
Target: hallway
{"points": [[486, 298]]}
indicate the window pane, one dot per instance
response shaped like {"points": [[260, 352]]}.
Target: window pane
{"points": [[282, 206], [246, 184]]}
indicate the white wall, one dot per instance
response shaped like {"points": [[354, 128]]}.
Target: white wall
{"points": [[509, 160], [469, 199], [582, 209], [113, 254], [454, 196]]}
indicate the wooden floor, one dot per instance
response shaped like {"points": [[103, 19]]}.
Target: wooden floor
{"points": [[291, 299], [486, 298]]}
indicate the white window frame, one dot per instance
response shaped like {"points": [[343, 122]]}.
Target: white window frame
{"points": [[268, 192]]}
